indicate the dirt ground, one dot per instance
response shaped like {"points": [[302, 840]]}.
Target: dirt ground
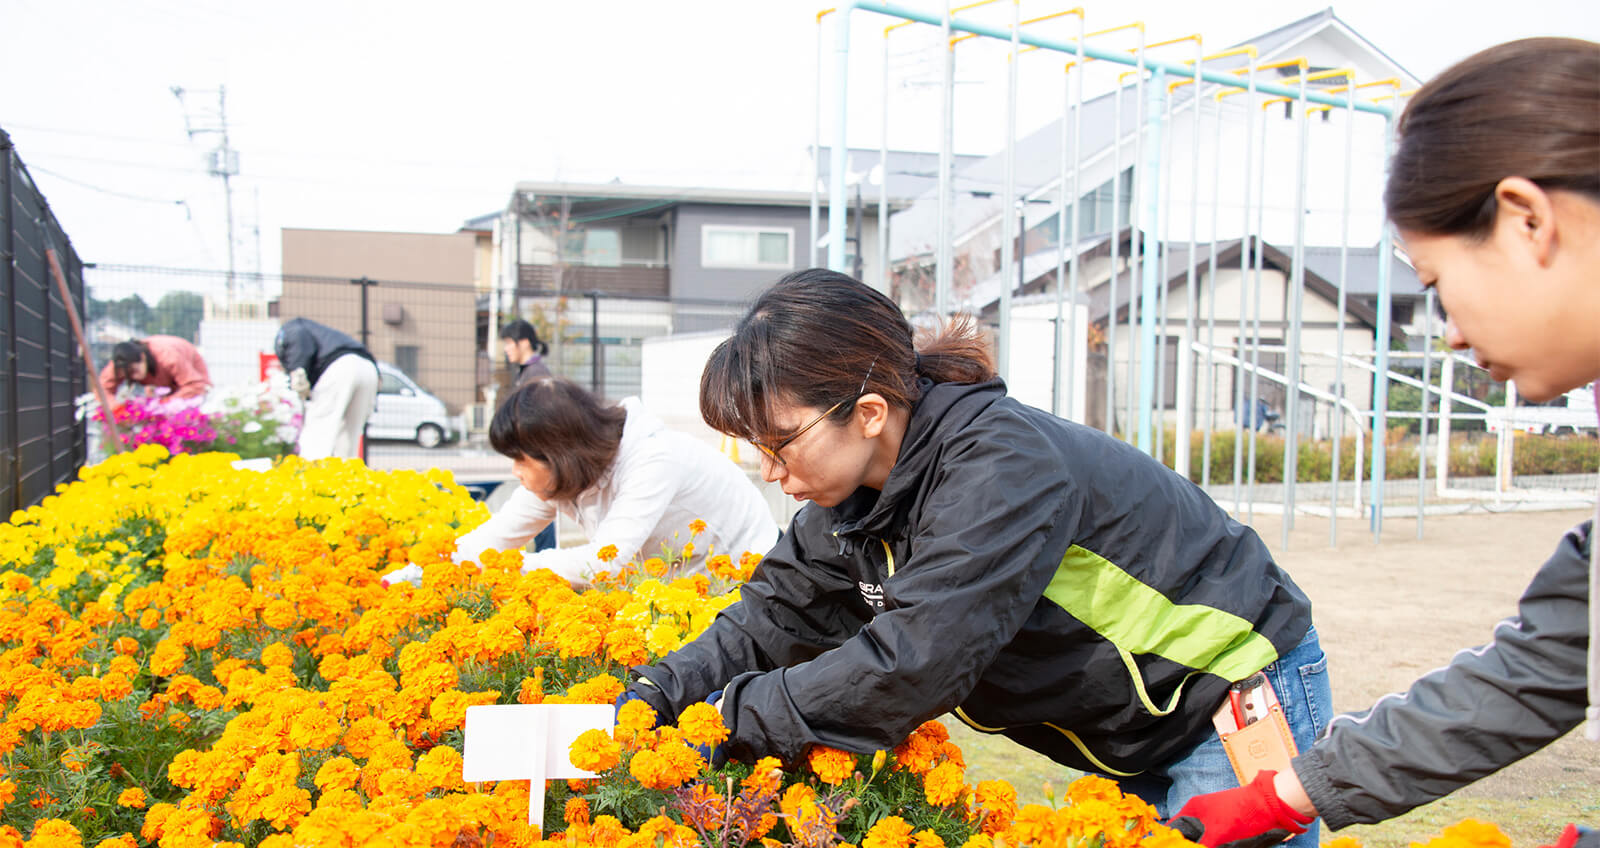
{"points": [[1391, 611]]}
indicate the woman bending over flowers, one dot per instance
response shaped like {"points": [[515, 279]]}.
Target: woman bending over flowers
{"points": [[962, 552], [630, 482]]}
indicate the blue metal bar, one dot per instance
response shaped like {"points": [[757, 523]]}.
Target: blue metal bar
{"points": [[1151, 201], [838, 204], [1380, 394], [1119, 56]]}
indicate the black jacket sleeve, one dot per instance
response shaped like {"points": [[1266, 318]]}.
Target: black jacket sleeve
{"points": [[978, 568], [295, 347], [1491, 706], [799, 602]]}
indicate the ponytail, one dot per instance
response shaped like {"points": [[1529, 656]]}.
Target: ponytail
{"points": [[956, 352]]}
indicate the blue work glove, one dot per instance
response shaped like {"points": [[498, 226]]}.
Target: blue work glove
{"points": [[715, 756]]}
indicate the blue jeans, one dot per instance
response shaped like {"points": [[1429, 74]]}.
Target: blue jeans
{"points": [[1300, 679]]}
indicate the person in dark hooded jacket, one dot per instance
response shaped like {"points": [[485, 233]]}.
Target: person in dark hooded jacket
{"points": [[965, 553], [337, 378]]}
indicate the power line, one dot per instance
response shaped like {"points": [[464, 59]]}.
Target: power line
{"points": [[124, 195]]}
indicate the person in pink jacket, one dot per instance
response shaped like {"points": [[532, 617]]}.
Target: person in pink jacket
{"points": [[166, 362]]}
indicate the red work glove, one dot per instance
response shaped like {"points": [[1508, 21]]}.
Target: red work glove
{"points": [[1239, 814]]}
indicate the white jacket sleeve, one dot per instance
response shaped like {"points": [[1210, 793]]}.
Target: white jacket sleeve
{"points": [[515, 525], [644, 487]]}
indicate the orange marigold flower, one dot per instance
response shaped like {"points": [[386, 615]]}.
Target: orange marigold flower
{"points": [[696, 527], [832, 765], [996, 802], [8, 791], [795, 797], [765, 776], [125, 645], [276, 654], [978, 840], [576, 813], [132, 797], [944, 785], [889, 832], [594, 750], [701, 724], [607, 553], [705, 808], [337, 774], [1093, 787], [532, 689], [926, 839], [115, 686]]}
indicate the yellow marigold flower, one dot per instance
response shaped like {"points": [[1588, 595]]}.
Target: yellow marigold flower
{"points": [[831, 765], [595, 751], [889, 832], [132, 797], [944, 784], [1470, 833], [701, 724], [337, 774], [795, 797], [655, 566], [1342, 842]]}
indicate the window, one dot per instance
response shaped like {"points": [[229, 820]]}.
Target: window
{"points": [[406, 358], [1094, 208], [746, 247]]}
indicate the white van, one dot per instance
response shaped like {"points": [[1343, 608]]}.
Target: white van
{"points": [[409, 412]]}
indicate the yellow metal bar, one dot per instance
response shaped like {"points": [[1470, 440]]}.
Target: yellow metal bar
{"points": [[1299, 62], [825, 12], [1124, 75], [1077, 11], [1138, 25], [1319, 75], [1170, 41], [892, 27], [1393, 82], [1246, 50], [1273, 101]]}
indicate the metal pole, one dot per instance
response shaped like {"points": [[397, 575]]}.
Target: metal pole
{"points": [[1255, 338], [596, 371], [1244, 277], [883, 179], [1422, 444], [1211, 301], [1447, 382], [1380, 394], [1008, 200], [1116, 250], [816, 152], [1150, 200], [1185, 432], [944, 263], [1164, 277], [1077, 191], [100, 393], [1057, 368], [838, 198], [1344, 278], [1136, 302], [1297, 283]]}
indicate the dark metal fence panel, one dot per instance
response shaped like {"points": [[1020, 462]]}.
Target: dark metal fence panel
{"points": [[41, 442]]}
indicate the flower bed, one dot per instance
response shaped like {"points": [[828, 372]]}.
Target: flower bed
{"points": [[259, 420], [193, 655]]}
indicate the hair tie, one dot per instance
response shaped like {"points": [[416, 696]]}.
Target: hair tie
{"points": [[917, 366]]}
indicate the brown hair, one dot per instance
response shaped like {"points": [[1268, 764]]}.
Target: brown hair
{"points": [[1528, 108], [125, 354], [818, 337], [560, 424]]}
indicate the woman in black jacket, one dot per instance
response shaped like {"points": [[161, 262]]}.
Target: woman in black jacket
{"points": [[963, 552], [1495, 189]]}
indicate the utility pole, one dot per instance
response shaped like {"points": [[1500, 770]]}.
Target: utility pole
{"points": [[223, 162]]}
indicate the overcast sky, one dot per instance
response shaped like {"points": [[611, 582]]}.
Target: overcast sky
{"points": [[415, 116]]}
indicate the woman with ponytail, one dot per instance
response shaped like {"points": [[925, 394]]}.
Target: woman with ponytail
{"points": [[962, 552]]}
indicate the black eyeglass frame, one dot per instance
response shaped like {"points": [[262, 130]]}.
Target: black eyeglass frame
{"points": [[772, 452]]}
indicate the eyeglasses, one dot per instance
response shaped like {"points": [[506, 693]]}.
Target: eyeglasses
{"points": [[772, 451]]}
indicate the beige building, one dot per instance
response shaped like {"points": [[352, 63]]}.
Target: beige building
{"points": [[421, 309]]}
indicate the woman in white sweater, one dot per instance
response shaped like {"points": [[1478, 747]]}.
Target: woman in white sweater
{"points": [[619, 473]]}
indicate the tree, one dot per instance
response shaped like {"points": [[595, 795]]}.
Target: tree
{"points": [[178, 313]]}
